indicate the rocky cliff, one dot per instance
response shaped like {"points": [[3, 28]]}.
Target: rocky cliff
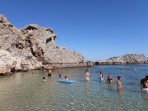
{"points": [[31, 46], [125, 59]]}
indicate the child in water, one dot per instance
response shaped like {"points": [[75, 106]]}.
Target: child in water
{"points": [[65, 78]]}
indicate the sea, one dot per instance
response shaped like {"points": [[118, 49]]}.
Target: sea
{"points": [[26, 91]]}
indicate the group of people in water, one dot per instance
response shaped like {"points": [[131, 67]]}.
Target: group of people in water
{"points": [[110, 80], [59, 74]]}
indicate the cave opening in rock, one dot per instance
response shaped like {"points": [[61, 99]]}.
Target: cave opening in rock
{"points": [[48, 40], [19, 45], [1, 21], [50, 30], [33, 53], [31, 28], [29, 41]]}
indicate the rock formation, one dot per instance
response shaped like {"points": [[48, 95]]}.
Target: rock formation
{"points": [[125, 59], [32, 47]]}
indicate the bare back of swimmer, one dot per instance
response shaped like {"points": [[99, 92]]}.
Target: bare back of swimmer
{"points": [[87, 76]]}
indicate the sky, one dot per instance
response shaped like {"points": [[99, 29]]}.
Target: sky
{"points": [[97, 29]]}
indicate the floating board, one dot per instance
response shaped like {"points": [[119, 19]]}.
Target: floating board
{"points": [[66, 81]]}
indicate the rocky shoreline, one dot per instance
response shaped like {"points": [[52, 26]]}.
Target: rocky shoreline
{"points": [[125, 59]]}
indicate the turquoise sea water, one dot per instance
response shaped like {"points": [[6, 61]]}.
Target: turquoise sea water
{"points": [[27, 91]]}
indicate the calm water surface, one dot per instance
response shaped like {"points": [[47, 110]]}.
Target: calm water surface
{"points": [[27, 91]]}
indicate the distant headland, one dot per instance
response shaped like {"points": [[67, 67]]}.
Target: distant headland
{"points": [[125, 59]]}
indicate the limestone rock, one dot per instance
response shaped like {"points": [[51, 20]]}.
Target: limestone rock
{"points": [[6, 61], [32, 46]]}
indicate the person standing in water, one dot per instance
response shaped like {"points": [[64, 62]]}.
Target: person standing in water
{"points": [[59, 73], [49, 72], [101, 71], [144, 84], [87, 76], [101, 76], [119, 85], [110, 79]]}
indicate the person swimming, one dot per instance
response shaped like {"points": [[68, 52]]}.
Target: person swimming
{"points": [[87, 76], [119, 85], [44, 79], [144, 84]]}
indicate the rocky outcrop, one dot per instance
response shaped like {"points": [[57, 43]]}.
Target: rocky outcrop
{"points": [[125, 59], [32, 47]]}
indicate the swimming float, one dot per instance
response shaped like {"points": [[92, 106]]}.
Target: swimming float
{"points": [[66, 81]]}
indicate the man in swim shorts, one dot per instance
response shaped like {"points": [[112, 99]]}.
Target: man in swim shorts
{"points": [[49, 72], [59, 73], [144, 84], [87, 76]]}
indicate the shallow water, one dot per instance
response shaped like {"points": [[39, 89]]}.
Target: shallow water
{"points": [[27, 91]]}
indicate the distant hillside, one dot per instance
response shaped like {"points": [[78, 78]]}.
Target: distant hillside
{"points": [[125, 59]]}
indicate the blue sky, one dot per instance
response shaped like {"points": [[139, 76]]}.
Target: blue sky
{"points": [[98, 29]]}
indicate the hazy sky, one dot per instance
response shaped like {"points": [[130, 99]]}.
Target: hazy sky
{"points": [[98, 29]]}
